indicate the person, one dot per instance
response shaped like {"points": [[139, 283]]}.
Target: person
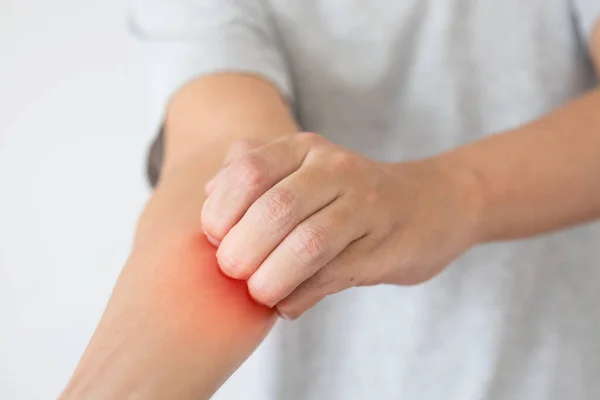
{"points": [[417, 179]]}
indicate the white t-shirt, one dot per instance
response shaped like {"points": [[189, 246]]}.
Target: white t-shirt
{"points": [[396, 80]]}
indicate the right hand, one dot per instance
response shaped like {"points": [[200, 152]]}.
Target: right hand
{"points": [[237, 150]]}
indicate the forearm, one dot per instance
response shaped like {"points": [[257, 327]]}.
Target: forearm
{"points": [[175, 327], [182, 306], [540, 177], [187, 331]]}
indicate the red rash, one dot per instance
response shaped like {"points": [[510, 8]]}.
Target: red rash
{"points": [[189, 291], [173, 315]]}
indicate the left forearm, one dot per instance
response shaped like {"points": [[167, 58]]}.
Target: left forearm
{"points": [[175, 326], [540, 177]]}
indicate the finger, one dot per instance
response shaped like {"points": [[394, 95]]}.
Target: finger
{"points": [[341, 273], [241, 148], [210, 185], [310, 246], [236, 151], [296, 308], [245, 180], [272, 217]]}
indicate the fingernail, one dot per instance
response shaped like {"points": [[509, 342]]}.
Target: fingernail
{"points": [[212, 240], [282, 315]]}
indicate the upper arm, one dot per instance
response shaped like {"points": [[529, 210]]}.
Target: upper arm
{"points": [[218, 107], [215, 70], [181, 40]]}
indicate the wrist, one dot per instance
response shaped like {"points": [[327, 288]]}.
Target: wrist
{"points": [[130, 356], [108, 375], [468, 189]]}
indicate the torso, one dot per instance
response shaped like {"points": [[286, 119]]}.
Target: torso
{"points": [[406, 79]]}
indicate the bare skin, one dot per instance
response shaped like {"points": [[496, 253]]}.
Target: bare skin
{"points": [[176, 327]]}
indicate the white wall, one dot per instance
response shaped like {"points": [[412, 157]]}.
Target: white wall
{"points": [[72, 141]]}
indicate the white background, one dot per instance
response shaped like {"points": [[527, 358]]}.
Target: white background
{"points": [[73, 133], [74, 130]]}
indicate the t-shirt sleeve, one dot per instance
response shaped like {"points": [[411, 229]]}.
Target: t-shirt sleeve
{"points": [[587, 13], [180, 40], [183, 39]]}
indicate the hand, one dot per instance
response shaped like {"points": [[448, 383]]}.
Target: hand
{"points": [[236, 150], [301, 218]]}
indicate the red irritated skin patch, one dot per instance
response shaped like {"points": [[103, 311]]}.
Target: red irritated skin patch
{"points": [[182, 290], [174, 317]]}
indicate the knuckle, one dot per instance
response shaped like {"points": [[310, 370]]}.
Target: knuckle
{"points": [[279, 206], [249, 170], [311, 244], [241, 147], [372, 198], [343, 161], [311, 138]]}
